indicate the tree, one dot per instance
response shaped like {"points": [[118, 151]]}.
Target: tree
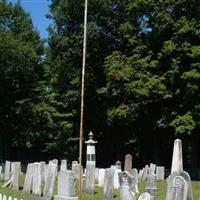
{"points": [[21, 53], [153, 89]]}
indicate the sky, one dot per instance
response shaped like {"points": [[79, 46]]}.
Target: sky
{"points": [[37, 9]]}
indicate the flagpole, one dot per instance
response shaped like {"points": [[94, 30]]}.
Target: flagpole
{"points": [[82, 99]]}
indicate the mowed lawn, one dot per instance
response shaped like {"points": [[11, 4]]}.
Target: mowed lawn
{"points": [[162, 186]]}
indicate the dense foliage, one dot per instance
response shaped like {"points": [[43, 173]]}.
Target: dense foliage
{"points": [[142, 79]]}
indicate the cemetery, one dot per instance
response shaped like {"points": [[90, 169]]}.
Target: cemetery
{"points": [[58, 180], [129, 70]]}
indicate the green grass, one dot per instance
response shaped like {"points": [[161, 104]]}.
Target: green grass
{"points": [[162, 186]]}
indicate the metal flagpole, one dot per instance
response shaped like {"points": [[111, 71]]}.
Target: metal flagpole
{"points": [[82, 100]]}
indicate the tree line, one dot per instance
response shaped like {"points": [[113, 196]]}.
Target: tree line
{"points": [[142, 81]]}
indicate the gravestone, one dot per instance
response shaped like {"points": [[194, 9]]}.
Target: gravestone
{"points": [[152, 168], [28, 179], [76, 168], [50, 181], [177, 188], [108, 183], [66, 186], [7, 171], [96, 175], [101, 177], [16, 175], [177, 158], [145, 196], [145, 173], [63, 166], [186, 176], [135, 176], [37, 181], [127, 186], [140, 174], [45, 171], [90, 179], [160, 173], [151, 184], [54, 161], [116, 178], [128, 163], [118, 165], [42, 163]]}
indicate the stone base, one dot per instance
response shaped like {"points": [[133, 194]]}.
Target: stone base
{"points": [[57, 197]]}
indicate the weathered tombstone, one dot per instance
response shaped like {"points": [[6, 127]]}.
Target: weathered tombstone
{"points": [[135, 174], [113, 167], [118, 165], [116, 178], [177, 188], [4, 197], [128, 163], [145, 173], [28, 179], [7, 171], [50, 181], [90, 179], [108, 183], [76, 168], [42, 163], [96, 175], [127, 186], [45, 171], [54, 161], [140, 174], [160, 173], [16, 175], [63, 166], [145, 196], [66, 186], [177, 159], [152, 168], [186, 176], [37, 181], [101, 177], [151, 184]]}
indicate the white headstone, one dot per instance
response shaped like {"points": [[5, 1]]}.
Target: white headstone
{"points": [[50, 181], [127, 186], [90, 179], [63, 166], [28, 179], [177, 159], [37, 180], [160, 173], [151, 184], [116, 178], [177, 188], [66, 186], [16, 175], [7, 171], [108, 183], [101, 177]]}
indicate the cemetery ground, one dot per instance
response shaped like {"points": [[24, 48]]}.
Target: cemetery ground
{"points": [[162, 187]]}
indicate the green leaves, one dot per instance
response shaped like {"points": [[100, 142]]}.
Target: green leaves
{"points": [[184, 124]]}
